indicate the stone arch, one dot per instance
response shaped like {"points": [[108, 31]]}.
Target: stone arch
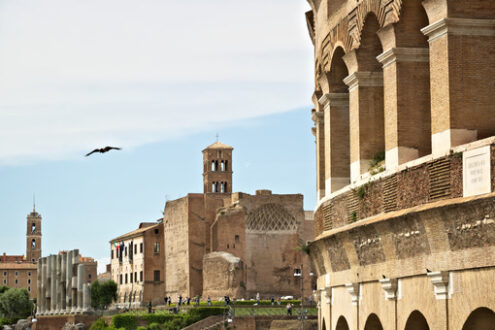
{"points": [[480, 319], [373, 323], [366, 102], [342, 324], [416, 321], [323, 325]]}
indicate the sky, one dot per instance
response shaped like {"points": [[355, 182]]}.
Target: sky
{"points": [[159, 78]]}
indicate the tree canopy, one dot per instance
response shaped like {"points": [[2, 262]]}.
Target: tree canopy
{"points": [[15, 303], [103, 294]]}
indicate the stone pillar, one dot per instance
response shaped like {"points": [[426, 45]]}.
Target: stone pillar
{"points": [[39, 287], [317, 117], [86, 298], [406, 79], [462, 66], [58, 273], [337, 148], [68, 283], [74, 293], [80, 284], [366, 119], [63, 276], [53, 284]]}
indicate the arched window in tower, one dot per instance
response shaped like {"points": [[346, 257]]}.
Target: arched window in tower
{"points": [[226, 165], [225, 186], [33, 228], [216, 165], [222, 166], [213, 187], [213, 165], [33, 243], [222, 187]]}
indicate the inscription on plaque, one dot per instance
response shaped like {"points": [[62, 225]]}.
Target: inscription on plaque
{"points": [[476, 171]]}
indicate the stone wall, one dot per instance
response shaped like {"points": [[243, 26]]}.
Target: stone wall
{"points": [[223, 275]]}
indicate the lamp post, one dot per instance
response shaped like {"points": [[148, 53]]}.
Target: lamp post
{"points": [[299, 273]]}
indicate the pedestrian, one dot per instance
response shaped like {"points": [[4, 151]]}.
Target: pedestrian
{"points": [[278, 301], [209, 301], [197, 300], [289, 311], [257, 298], [169, 301], [273, 301], [180, 300], [188, 301], [310, 300], [149, 307], [165, 300]]}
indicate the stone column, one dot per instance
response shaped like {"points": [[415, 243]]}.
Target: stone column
{"points": [[337, 148], [39, 286], [461, 53], [63, 276], [80, 284], [406, 79], [58, 293], [75, 296], [366, 119], [68, 283], [317, 117], [86, 298], [53, 284]]}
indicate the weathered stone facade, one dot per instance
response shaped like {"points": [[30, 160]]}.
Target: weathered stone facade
{"points": [[203, 233], [404, 132], [64, 283]]}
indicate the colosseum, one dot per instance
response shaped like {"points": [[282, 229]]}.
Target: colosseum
{"points": [[405, 151]]}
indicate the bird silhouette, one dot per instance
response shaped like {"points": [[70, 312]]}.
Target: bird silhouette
{"points": [[102, 150], [384, 276], [428, 271]]}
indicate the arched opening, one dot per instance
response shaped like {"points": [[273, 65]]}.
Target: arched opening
{"points": [[366, 106], [33, 243], [323, 325], [407, 86], [480, 319], [222, 187], [416, 321], [336, 123], [342, 324], [226, 165], [213, 165], [213, 187], [373, 323], [225, 184], [33, 228], [216, 165], [222, 166]]}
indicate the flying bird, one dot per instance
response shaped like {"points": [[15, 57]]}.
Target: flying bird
{"points": [[102, 150]]}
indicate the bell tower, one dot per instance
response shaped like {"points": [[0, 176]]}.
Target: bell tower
{"points": [[33, 236], [217, 168]]}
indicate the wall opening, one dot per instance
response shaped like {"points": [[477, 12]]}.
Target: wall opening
{"points": [[373, 323], [342, 324], [416, 321], [480, 319]]}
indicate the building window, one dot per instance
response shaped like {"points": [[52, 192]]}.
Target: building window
{"points": [[111, 255], [141, 247], [157, 231], [33, 243], [125, 251], [135, 277], [16, 281], [141, 276], [29, 273], [33, 228], [120, 278], [29, 288], [4, 273], [135, 249], [125, 278], [4, 281], [131, 277], [16, 273], [29, 281], [237, 238], [157, 247], [89, 276], [156, 276]]}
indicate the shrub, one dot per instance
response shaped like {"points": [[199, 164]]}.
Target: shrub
{"points": [[126, 321], [15, 303], [8, 321], [141, 328], [203, 312], [156, 326], [156, 318], [99, 324]]}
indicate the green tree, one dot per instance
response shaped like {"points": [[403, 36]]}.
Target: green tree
{"points": [[3, 289], [103, 294], [15, 303]]}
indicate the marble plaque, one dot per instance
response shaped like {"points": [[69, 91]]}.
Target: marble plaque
{"points": [[476, 175]]}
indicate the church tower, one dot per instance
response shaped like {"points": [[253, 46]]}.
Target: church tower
{"points": [[217, 168], [33, 236]]}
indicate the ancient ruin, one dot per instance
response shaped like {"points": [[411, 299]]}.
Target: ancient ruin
{"points": [[62, 288]]}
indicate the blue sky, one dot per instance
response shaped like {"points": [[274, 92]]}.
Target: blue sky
{"points": [[159, 78]]}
